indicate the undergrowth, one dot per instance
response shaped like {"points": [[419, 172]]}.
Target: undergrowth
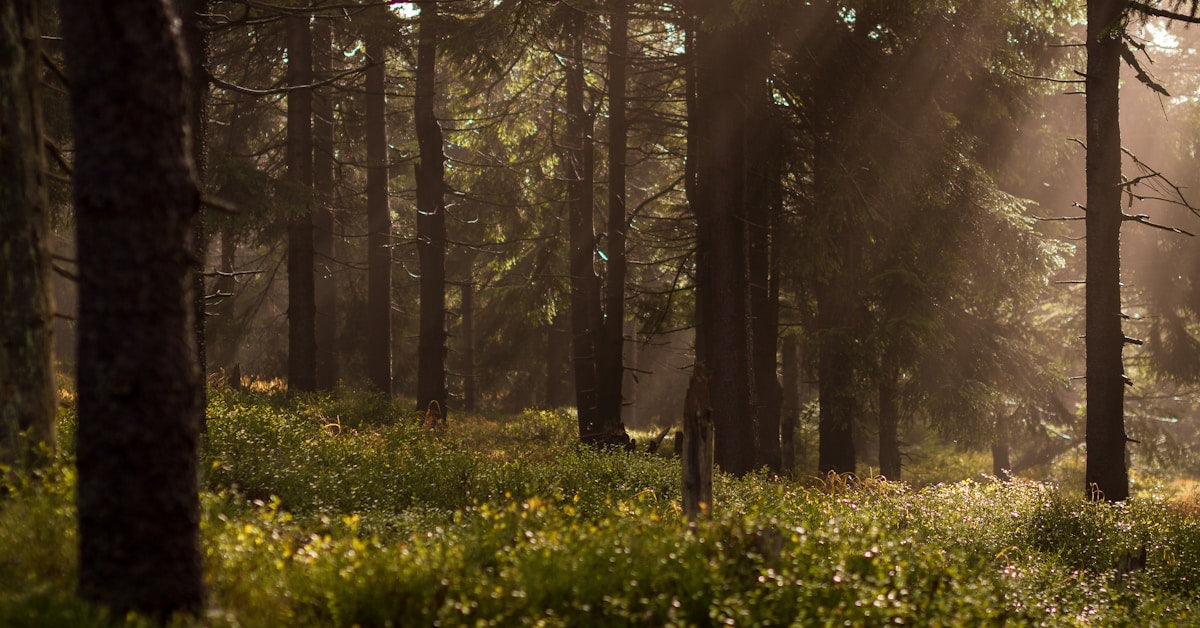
{"points": [[345, 510]]}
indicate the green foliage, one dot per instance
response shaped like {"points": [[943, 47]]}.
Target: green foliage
{"points": [[382, 522]]}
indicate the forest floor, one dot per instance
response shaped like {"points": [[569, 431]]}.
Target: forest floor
{"points": [[345, 510]]}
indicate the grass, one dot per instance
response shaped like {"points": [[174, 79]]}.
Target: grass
{"points": [[343, 510]]}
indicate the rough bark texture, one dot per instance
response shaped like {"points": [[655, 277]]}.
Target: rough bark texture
{"points": [[135, 197], [302, 340], [1106, 474], [611, 341], [584, 284], [720, 121], [763, 210], [431, 223], [379, 229], [27, 389], [196, 44], [697, 454], [324, 284]]}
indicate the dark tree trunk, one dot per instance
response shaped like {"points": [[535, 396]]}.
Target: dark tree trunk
{"points": [[835, 429], [790, 403], [611, 343], [135, 197], [302, 340], [1106, 474], [379, 229], [835, 333], [27, 403], [558, 362], [889, 419], [584, 284], [629, 409], [1001, 460], [764, 207], [698, 447], [720, 120], [324, 284], [470, 393], [431, 224], [196, 45]]}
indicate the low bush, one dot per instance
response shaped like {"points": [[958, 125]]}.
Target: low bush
{"points": [[347, 511]]}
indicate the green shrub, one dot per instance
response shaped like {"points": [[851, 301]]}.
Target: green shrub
{"points": [[345, 511]]}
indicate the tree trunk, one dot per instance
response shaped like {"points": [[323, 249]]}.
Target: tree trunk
{"points": [[585, 285], [1106, 474], [302, 341], [790, 404], [135, 197], [27, 403], [611, 343], [764, 207], [324, 283], [889, 419], [719, 203], [697, 463], [470, 393], [431, 224], [558, 362], [1001, 461], [835, 295], [196, 44], [379, 229]]}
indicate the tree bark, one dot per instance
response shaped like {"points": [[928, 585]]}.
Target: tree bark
{"points": [[27, 387], [698, 447], [764, 207], [584, 284], [324, 282], [135, 197], [1001, 460], [196, 45], [379, 228], [722, 94], [611, 343], [558, 362], [302, 341], [835, 299], [431, 223], [1106, 473]]}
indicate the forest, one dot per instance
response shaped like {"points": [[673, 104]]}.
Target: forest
{"points": [[599, 312]]}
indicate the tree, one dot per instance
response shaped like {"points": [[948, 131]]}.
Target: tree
{"points": [[27, 405], [135, 195], [302, 306], [1106, 473], [196, 45], [579, 155], [379, 223], [431, 222], [725, 46], [324, 286], [611, 338]]}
